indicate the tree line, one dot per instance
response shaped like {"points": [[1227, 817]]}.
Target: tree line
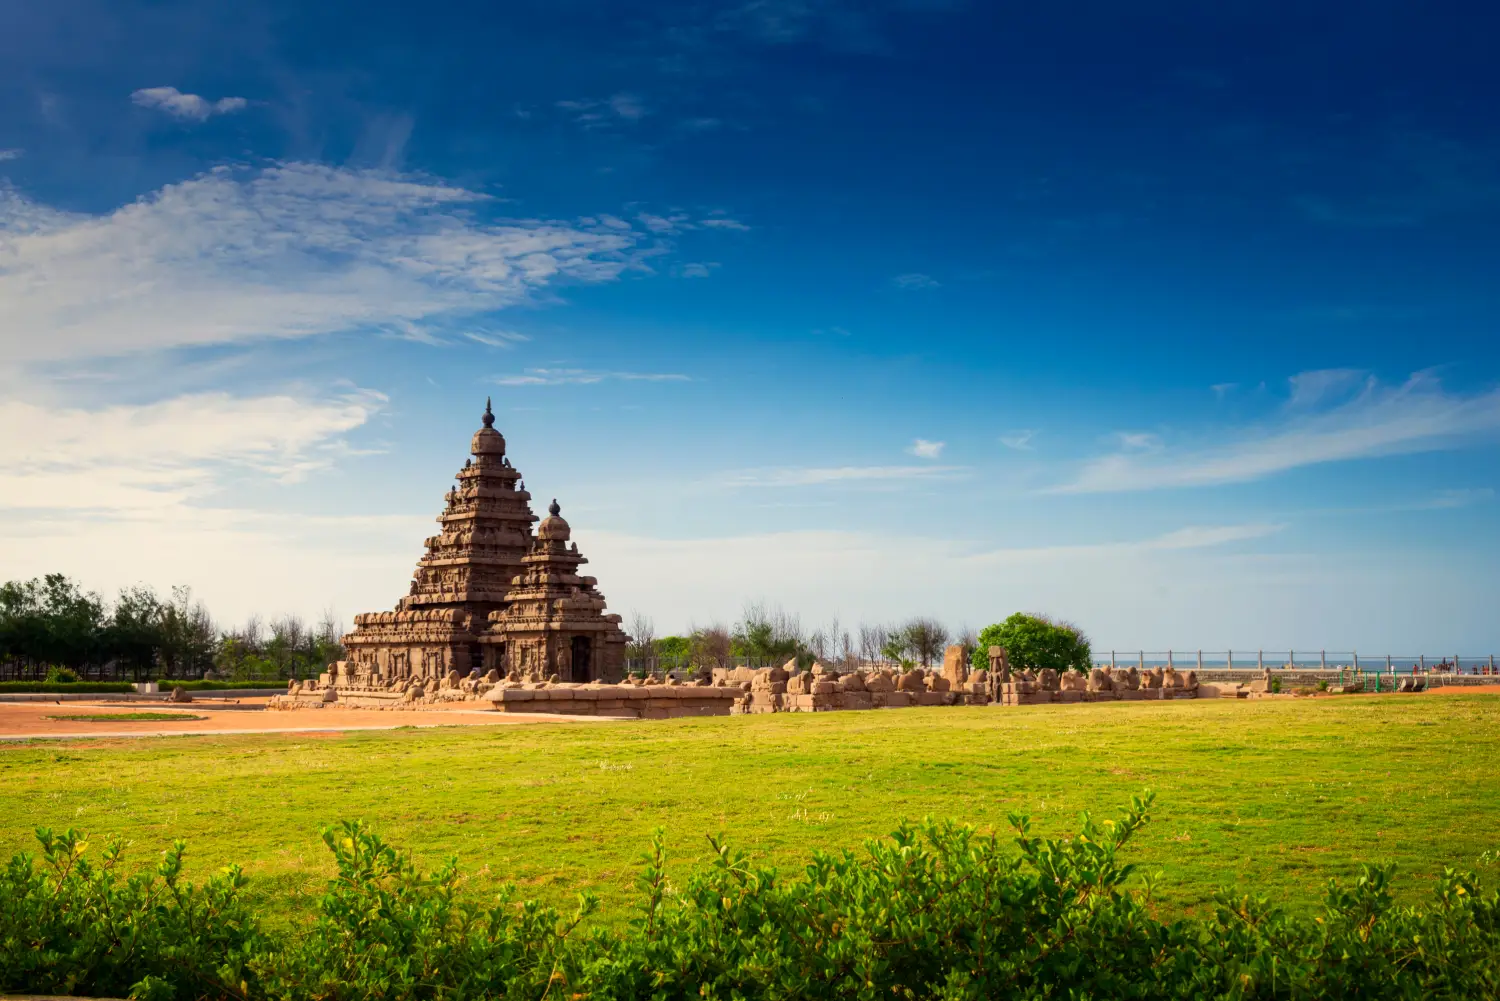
{"points": [[50, 627], [770, 636]]}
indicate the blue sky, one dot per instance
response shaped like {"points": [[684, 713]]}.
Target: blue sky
{"points": [[1177, 320]]}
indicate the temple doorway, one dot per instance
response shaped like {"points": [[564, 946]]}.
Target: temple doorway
{"points": [[476, 657], [580, 652]]}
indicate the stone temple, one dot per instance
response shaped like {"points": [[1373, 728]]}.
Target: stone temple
{"points": [[489, 595]]}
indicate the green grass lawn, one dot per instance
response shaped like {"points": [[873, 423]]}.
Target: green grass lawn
{"points": [[1274, 796]]}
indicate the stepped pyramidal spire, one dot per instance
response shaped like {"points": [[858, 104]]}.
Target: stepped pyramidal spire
{"points": [[485, 559]]}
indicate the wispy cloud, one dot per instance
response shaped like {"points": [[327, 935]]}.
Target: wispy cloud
{"points": [[1138, 441], [1312, 389], [924, 449], [1223, 389], [293, 250], [1190, 537], [131, 459], [595, 113], [817, 476], [189, 107], [496, 338], [9, 154], [675, 222], [1449, 499], [1377, 420], [1019, 440], [914, 280], [583, 377], [698, 269]]}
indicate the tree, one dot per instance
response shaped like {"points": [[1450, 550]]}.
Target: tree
{"points": [[674, 648], [925, 638], [872, 640], [188, 637], [710, 646], [1035, 642], [642, 637], [134, 635], [767, 634]]}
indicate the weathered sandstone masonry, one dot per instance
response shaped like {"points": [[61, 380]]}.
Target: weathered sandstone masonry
{"points": [[489, 602]]}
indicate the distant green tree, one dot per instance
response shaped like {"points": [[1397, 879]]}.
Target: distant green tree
{"points": [[134, 636], [1036, 642], [49, 620], [673, 647]]}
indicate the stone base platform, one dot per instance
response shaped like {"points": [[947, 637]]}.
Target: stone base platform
{"points": [[629, 701]]}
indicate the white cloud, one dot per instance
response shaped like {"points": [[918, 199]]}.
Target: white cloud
{"points": [[1417, 416], [593, 113], [127, 460], [924, 449], [1312, 389], [496, 338], [914, 280], [698, 269], [817, 476], [583, 376], [9, 154], [290, 251], [190, 107], [1138, 441], [1449, 499], [719, 222], [627, 106], [1019, 440]]}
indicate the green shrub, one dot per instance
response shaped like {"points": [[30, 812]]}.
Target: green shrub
{"points": [[70, 926], [61, 675], [80, 687], [935, 910], [1035, 641], [1323, 684]]}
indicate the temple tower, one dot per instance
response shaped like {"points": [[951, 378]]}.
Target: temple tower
{"points": [[554, 621], [486, 531], [464, 576]]}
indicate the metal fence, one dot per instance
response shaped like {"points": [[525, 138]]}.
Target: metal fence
{"points": [[1300, 660]]}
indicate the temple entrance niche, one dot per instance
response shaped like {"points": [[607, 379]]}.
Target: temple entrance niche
{"points": [[580, 651], [476, 657]]}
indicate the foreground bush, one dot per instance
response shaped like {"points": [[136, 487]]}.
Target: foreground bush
{"points": [[933, 911]]}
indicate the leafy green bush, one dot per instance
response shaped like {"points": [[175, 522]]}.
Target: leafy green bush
{"points": [[61, 675], [69, 926], [79, 687], [936, 910], [1035, 641]]}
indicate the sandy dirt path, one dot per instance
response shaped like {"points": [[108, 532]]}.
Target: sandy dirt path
{"points": [[30, 720]]}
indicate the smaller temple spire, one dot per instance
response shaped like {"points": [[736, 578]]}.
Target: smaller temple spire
{"points": [[489, 415]]}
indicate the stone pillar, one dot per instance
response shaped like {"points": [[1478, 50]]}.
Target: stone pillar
{"points": [[999, 664]]}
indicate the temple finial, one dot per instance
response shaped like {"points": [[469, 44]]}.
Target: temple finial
{"points": [[489, 415], [554, 509]]}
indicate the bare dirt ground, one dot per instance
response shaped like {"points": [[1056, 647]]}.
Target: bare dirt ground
{"points": [[29, 720]]}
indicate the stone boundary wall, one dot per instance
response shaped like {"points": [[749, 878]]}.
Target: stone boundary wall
{"points": [[819, 689], [664, 701]]}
